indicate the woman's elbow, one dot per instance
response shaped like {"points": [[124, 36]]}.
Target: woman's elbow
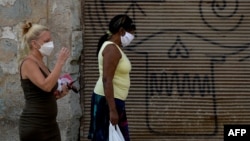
{"points": [[46, 88], [106, 81]]}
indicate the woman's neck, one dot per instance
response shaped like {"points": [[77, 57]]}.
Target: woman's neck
{"points": [[38, 58], [116, 40], [37, 55]]}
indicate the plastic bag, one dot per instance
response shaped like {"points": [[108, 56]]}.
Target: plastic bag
{"points": [[115, 133]]}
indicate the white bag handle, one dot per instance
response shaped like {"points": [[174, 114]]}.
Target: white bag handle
{"points": [[115, 133]]}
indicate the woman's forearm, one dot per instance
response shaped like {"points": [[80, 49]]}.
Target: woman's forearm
{"points": [[109, 94], [52, 78]]}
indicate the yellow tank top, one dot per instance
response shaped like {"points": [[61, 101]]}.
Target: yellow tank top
{"points": [[121, 80]]}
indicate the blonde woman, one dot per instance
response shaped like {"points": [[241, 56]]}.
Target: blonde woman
{"points": [[38, 119]]}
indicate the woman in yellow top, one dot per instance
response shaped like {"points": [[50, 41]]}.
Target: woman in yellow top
{"points": [[111, 90]]}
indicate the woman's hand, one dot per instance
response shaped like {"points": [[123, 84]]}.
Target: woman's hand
{"points": [[114, 117], [63, 55], [65, 91]]}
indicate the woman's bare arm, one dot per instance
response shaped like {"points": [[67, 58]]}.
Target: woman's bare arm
{"points": [[31, 70], [111, 57]]}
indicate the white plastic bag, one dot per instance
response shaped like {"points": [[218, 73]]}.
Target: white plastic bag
{"points": [[115, 133]]}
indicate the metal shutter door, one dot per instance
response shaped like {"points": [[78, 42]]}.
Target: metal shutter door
{"points": [[190, 66]]}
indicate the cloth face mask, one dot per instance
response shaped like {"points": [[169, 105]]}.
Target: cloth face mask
{"points": [[47, 48], [127, 39]]}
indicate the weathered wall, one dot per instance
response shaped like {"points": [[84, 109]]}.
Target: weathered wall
{"points": [[63, 18]]}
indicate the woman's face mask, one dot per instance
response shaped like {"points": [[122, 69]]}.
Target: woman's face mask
{"points": [[127, 39], [47, 48]]}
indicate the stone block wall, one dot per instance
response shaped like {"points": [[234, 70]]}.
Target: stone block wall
{"points": [[63, 17]]}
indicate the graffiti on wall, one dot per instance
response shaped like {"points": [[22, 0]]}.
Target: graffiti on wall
{"points": [[180, 91]]}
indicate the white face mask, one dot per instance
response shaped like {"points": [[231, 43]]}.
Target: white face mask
{"points": [[127, 39], [47, 48]]}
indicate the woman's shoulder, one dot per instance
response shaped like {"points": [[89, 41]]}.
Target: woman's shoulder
{"points": [[111, 44], [106, 43], [112, 50], [27, 66], [28, 61]]}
